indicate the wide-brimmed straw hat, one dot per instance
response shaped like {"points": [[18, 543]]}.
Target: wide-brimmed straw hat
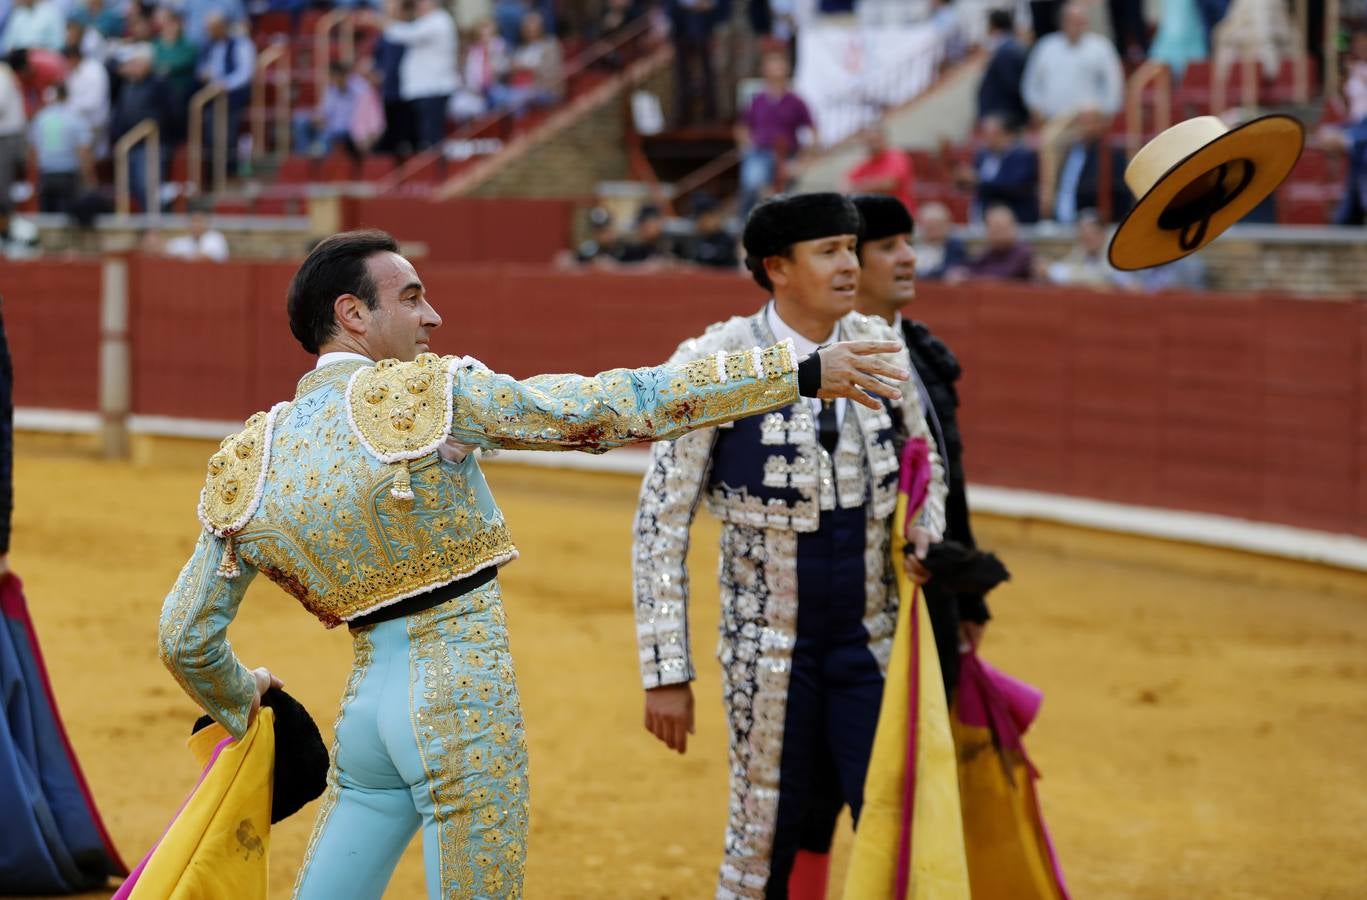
{"points": [[1196, 179]]}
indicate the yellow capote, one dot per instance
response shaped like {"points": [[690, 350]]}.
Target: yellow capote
{"points": [[1008, 851], [218, 847], [939, 869]]}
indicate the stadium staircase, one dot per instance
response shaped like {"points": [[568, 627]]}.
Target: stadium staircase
{"points": [[279, 182]]}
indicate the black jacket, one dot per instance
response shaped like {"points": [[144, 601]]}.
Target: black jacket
{"points": [[1000, 90], [938, 369]]}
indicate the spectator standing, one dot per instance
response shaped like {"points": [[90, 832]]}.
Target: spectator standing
{"points": [[772, 132], [999, 93], [427, 71], [141, 96], [230, 62], [13, 125], [197, 14], [87, 88], [713, 246], [692, 23], [1261, 29], [1355, 82], [1181, 36], [1005, 172], [1128, 29], [33, 23], [938, 252], [1092, 175], [202, 241], [62, 148], [536, 74], [1086, 264], [175, 60], [885, 170], [398, 123], [1068, 71], [1006, 256]]}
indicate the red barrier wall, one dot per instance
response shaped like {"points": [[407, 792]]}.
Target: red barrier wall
{"points": [[1253, 407], [52, 319], [471, 229]]}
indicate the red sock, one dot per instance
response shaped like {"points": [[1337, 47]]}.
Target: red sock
{"points": [[808, 878]]}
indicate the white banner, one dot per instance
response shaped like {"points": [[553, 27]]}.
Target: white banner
{"points": [[850, 76]]}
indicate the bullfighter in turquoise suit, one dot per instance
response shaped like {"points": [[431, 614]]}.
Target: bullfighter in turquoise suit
{"points": [[363, 498]]}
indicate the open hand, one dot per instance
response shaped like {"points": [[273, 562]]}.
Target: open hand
{"points": [[852, 369], [669, 714]]}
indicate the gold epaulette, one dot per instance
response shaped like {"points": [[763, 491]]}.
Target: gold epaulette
{"points": [[235, 481], [401, 411]]}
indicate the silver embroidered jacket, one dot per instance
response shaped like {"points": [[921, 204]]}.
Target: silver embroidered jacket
{"points": [[759, 476]]}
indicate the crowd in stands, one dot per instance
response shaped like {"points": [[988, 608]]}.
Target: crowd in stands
{"points": [[76, 75]]}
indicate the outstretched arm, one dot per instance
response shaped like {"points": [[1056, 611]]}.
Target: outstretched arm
{"points": [[625, 406]]}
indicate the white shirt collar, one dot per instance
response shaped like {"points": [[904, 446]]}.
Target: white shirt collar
{"points": [[782, 331], [337, 356]]}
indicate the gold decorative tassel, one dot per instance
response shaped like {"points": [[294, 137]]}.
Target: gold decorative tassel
{"points": [[227, 566], [403, 484]]}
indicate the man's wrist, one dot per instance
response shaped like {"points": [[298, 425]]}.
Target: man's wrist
{"points": [[809, 375]]}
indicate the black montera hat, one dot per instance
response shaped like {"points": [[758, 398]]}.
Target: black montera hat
{"points": [[784, 220], [883, 216], [301, 759]]}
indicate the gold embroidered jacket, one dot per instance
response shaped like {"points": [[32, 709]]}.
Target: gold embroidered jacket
{"points": [[341, 498]]}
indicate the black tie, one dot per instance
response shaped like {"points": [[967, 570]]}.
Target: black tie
{"points": [[828, 427]]}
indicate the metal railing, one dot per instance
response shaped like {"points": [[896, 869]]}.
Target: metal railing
{"points": [[1160, 76], [340, 20], [194, 150], [1250, 81], [276, 55], [1331, 48], [146, 130], [504, 123]]}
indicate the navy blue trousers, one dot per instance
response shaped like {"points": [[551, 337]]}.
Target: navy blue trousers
{"points": [[834, 691]]}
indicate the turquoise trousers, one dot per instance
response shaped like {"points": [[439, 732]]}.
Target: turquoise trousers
{"points": [[429, 736]]}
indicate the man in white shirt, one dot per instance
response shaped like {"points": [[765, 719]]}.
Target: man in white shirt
{"points": [[806, 497], [427, 73], [229, 61], [1068, 71], [87, 88], [33, 23], [202, 242]]}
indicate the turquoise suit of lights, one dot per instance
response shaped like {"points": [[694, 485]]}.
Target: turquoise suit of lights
{"points": [[342, 497]]}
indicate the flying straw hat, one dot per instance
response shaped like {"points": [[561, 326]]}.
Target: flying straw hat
{"points": [[1198, 178]]}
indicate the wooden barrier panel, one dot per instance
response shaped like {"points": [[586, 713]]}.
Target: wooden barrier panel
{"points": [[52, 319], [471, 229], [1253, 407]]}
